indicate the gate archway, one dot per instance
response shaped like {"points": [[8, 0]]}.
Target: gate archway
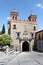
{"points": [[25, 46]]}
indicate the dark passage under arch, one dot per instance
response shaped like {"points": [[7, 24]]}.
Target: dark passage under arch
{"points": [[25, 46]]}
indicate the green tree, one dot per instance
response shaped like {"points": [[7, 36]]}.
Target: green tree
{"points": [[1, 40], [3, 29], [5, 39]]}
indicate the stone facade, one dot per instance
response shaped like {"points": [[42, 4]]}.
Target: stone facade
{"points": [[22, 31], [39, 40]]}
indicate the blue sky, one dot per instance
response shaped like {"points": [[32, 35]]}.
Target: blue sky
{"points": [[24, 8]]}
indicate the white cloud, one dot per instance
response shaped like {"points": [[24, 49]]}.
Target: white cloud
{"points": [[8, 18], [39, 5]]}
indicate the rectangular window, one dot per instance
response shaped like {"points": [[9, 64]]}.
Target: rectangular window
{"points": [[42, 36], [42, 44], [18, 35], [39, 45], [39, 37], [14, 26]]}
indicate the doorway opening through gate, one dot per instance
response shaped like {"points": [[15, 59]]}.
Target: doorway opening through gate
{"points": [[25, 46]]}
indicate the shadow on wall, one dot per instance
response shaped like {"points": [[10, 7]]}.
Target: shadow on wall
{"points": [[35, 48]]}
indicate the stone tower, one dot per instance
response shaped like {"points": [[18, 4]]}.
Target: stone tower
{"points": [[22, 31]]}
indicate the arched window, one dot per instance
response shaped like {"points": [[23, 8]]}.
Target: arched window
{"points": [[32, 19], [34, 28], [13, 17], [14, 26], [35, 19]]}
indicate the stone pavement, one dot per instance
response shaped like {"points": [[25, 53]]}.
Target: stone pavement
{"points": [[23, 58], [27, 58], [4, 59]]}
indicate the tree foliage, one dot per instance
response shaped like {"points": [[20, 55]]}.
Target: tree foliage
{"points": [[3, 29], [5, 39], [1, 40]]}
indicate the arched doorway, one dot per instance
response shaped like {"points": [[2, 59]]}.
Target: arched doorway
{"points": [[25, 46]]}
